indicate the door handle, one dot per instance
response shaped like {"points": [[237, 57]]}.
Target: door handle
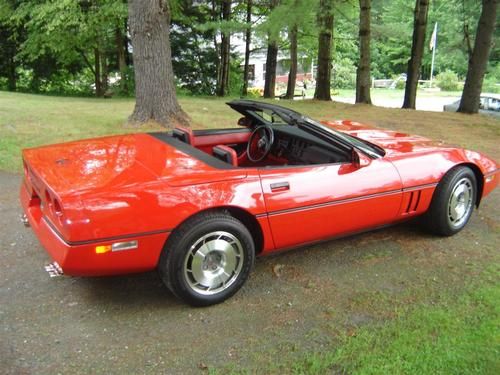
{"points": [[280, 186]]}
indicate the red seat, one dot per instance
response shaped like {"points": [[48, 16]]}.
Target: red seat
{"points": [[226, 153], [183, 134]]}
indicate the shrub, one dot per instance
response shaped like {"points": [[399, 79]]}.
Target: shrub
{"points": [[344, 74], [255, 92], [448, 81], [400, 84], [490, 85]]}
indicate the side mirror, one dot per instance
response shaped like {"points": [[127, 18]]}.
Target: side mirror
{"points": [[360, 160], [245, 121]]}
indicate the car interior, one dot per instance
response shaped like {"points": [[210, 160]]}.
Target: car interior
{"points": [[263, 145]]}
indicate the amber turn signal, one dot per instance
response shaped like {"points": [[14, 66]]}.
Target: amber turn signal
{"points": [[101, 249]]}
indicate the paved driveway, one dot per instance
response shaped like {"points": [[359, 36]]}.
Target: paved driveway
{"points": [[434, 104]]}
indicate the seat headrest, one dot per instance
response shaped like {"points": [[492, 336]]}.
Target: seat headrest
{"points": [[183, 134], [226, 154]]}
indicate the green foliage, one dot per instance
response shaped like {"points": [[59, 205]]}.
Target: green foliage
{"points": [[447, 81], [491, 85], [254, 93], [491, 81], [400, 84], [343, 74], [235, 74], [57, 40], [392, 26], [194, 57], [60, 83]]}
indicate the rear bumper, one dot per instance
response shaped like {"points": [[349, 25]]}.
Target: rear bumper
{"points": [[81, 259]]}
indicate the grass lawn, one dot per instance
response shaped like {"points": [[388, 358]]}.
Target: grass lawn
{"points": [[458, 335], [31, 120]]}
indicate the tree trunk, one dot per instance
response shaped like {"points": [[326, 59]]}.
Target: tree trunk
{"points": [[271, 60], [104, 74], [216, 18], [122, 60], [271, 63], [292, 76], [363, 74], [154, 77], [325, 25], [417, 52], [223, 81], [12, 75], [97, 73], [248, 40], [479, 59]]}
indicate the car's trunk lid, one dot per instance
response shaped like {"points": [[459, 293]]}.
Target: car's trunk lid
{"points": [[115, 162]]}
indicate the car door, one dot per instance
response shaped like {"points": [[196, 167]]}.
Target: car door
{"points": [[315, 202]]}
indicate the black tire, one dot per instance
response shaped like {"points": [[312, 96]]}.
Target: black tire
{"points": [[182, 270], [442, 218]]}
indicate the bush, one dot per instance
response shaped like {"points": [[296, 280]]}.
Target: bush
{"points": [[490, 85], [491, 81], [344, 74], [255, 92], [400, 84], [448, 81]]}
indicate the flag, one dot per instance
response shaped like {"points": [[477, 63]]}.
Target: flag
{"points": [[433, 42]]}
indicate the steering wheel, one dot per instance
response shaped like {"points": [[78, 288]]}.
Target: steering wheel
{"points": [[260, 142]]}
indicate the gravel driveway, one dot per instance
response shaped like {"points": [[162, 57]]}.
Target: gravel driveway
{"points": [[293, 303]]}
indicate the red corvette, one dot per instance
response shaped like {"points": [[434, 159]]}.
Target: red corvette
{"points": [[200, 205]]}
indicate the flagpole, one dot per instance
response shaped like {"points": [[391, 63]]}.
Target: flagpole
{"points": [[432, 63], [433, 46]]}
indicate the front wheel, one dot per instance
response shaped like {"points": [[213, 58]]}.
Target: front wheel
{"points": [[207, 259], [453, 202]]}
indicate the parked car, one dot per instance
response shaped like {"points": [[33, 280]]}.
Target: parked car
{"points": [[489, 105], [200, 205]]}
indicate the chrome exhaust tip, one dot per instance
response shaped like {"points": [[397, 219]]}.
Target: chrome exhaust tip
{"points": [[54, 269], [25, 221]]}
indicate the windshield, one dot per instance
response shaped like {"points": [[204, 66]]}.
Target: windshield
{"points": [[370, 148], [271, 114]]}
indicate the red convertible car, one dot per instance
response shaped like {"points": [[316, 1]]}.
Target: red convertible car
{"points": [[201, 205]]}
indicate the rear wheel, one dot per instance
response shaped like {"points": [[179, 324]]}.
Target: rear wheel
{"points": [[453, 202], [207, 259]]}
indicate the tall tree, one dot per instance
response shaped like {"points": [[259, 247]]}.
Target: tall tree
{"points": [[149, 22], [363, 73], [417, 52], [271, 59], [225, 51], [325, 37], [8, 51], [292, 75], [121, 56], [248, 40], [479, 58]]}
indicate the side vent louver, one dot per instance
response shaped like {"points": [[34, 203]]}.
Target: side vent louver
{"points": [[413, 201]]}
